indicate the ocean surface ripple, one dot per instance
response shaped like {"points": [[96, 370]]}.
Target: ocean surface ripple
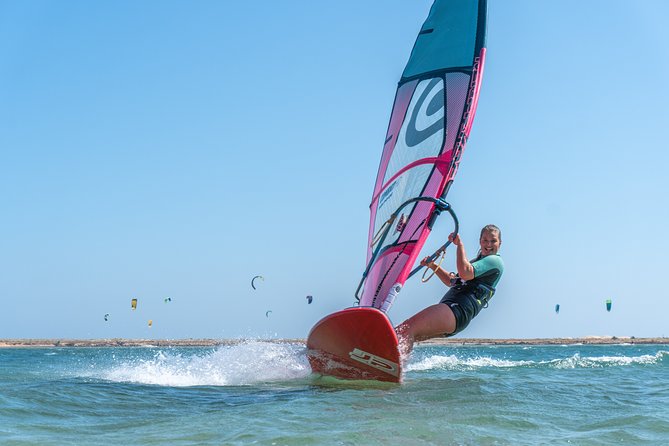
{"points": [[260, 392]]}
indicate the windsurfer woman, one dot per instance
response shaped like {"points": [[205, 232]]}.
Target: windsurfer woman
{"points": [[470, 290]]}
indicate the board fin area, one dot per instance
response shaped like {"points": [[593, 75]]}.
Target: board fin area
{"points": [[357, 343]]}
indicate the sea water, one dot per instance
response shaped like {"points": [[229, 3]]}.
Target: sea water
{"points": [[263, 393]]}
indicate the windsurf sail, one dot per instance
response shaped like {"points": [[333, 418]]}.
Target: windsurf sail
{"points": [[430, 122]]}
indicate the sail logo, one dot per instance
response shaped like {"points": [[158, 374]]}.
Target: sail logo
{"points": [[377, 362], [427, 114], [387, 194]]}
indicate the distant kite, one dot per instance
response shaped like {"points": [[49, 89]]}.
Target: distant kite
{"points": [[133, 304], [106, 316], [168, 299], [267, 313], [310, 298], [608, 304], [253, 284], [150, 322], [557, 308]]}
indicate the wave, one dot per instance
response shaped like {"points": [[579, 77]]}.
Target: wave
{"points": [[453, 362], [577, 361], [251, 362]]}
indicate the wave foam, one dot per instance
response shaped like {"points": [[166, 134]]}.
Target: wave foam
{"points": [[453, 362], [251, 362], [576, 361]]}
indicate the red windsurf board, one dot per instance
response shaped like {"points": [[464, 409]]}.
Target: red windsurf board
{"points": [[356, 343]]}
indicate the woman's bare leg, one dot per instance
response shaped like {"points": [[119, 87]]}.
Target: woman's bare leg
{"points": [[435, 320]]}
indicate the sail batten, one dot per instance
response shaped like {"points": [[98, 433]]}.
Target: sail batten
{"points": [[429, 125]]}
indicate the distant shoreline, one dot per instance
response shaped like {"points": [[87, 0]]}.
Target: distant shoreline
{"points": [[119, 342]]}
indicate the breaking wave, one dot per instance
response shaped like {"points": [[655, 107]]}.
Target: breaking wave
{"points": [[454, 362]]}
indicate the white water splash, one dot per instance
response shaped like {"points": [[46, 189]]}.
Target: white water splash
{"points": [[576, 361], [453, 362], [251, 362]]}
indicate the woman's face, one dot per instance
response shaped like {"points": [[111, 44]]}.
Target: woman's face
{"points": [[490, 243]]}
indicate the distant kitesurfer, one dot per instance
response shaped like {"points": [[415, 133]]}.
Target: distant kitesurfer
{"points": [[470, 290]]}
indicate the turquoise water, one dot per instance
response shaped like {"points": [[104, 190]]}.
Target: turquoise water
{"points": [[262, 393]]}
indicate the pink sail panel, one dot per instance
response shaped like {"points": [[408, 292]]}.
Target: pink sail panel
{"points": [[402, 98], [427, 133]]}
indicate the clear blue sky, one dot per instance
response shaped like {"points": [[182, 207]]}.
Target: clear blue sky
{"points": [[176, 149]]}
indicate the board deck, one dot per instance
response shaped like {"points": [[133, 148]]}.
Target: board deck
{"points": [[356, 343]]}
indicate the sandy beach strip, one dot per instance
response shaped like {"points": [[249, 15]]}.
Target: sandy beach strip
{"points": [[118, 342]]}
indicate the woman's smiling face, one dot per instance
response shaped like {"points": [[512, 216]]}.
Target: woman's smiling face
{"points": [[490, 242]]}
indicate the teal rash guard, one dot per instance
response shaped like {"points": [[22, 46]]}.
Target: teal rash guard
{"points": [[488, 270]]}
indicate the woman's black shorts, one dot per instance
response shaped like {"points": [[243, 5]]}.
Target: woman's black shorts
{"points": [[465, 302]]}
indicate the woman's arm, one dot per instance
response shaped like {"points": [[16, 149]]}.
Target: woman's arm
{"points": [[465, 269]]}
